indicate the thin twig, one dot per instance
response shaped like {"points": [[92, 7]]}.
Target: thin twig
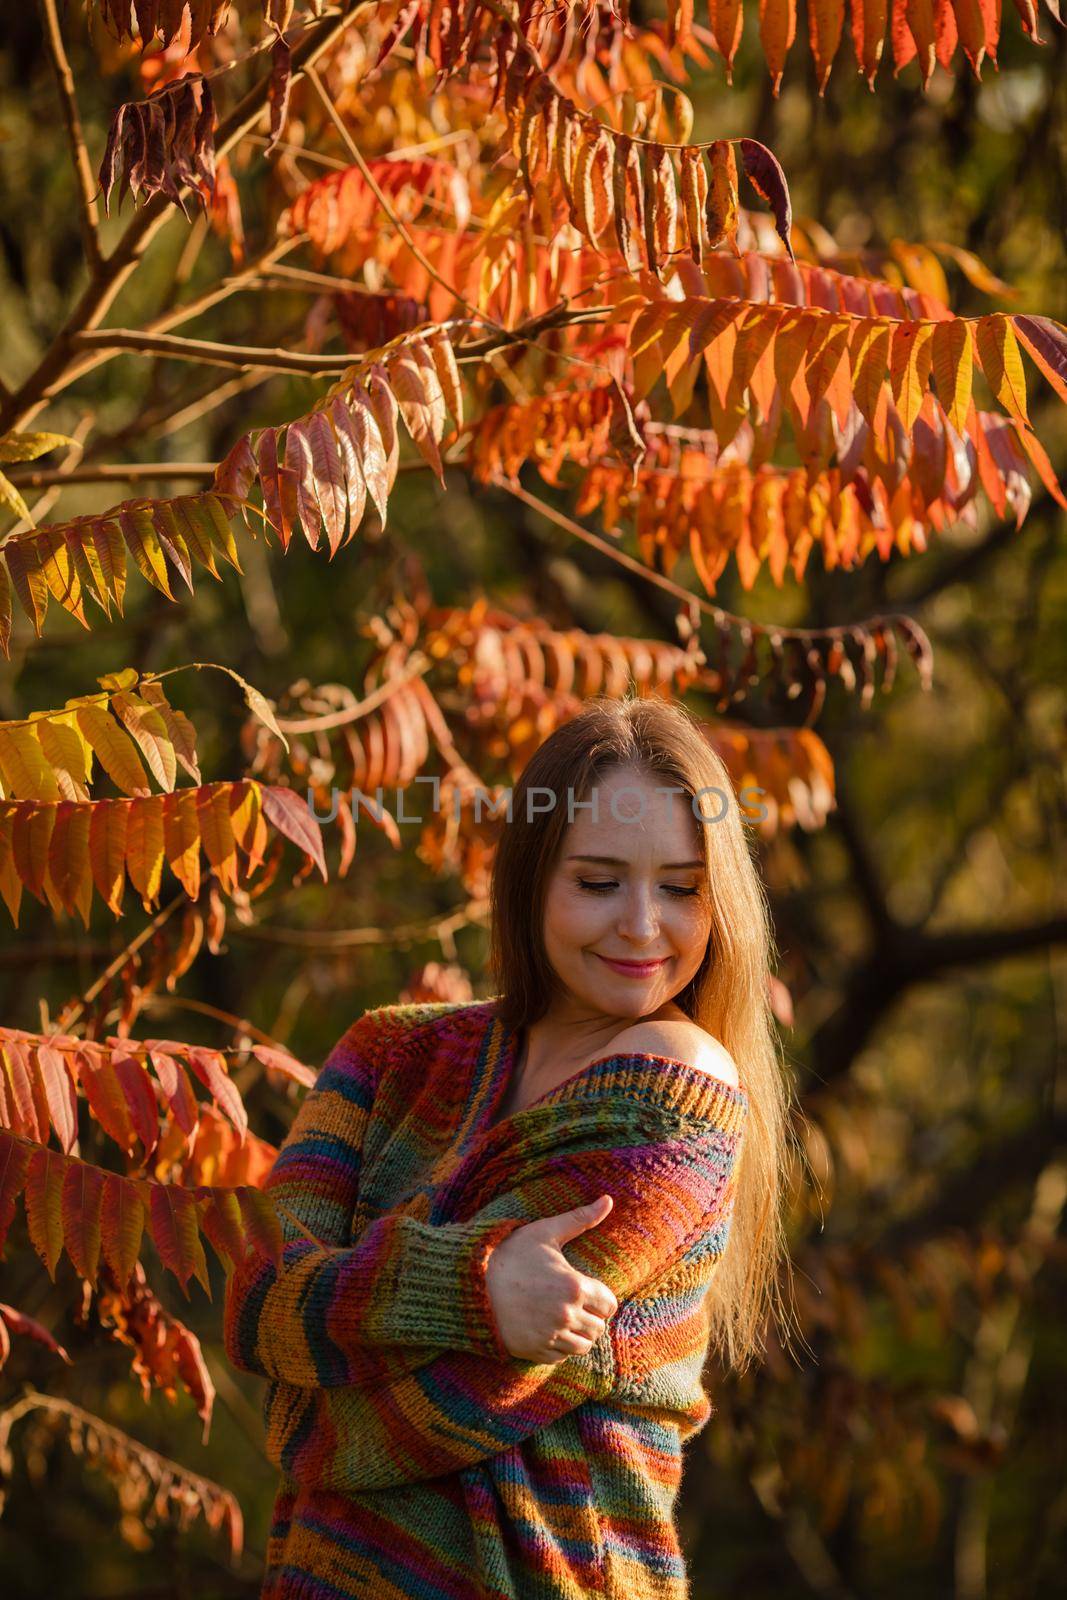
{"points": [[416, 666], [208, 352], [722, 618], [440, 928], [108, 472], [357, 156], [74, 1008], [83, 172]]}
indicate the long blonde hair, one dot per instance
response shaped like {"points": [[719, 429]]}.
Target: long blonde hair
{"points": [[729, 995]]}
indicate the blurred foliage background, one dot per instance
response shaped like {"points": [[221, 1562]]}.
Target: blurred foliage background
{"points": [[912, 1444]]}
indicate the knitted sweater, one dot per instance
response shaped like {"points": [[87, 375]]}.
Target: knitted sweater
{"points": [[418, 1457]]}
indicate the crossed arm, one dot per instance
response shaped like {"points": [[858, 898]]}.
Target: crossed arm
{"points": [[323, 1318], [459, 1408], [386, 1360]]}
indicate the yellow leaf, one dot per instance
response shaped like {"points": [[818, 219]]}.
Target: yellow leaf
{"points": [[1002, 363], [28, 446], [953, 363], [909, 368], [113, 749]]}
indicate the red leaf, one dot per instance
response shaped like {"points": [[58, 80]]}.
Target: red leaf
{"points": [[29, 1328], [210, 1067], [174, 1082], [1047, 343], [261, 1222], [44, 1205], [221, 1221], [765, 174], [279, 1061], [106, 1096], [25, 1117], [123, 1218], [59, 1093], [284, 810], [14, 1164], [140, 1100], [83, 1193], [175, 1225]]}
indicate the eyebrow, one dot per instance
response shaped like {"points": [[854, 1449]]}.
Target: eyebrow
{"points": [[616, 861]]}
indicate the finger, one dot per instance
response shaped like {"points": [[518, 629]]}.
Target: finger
{"points": [[567, 1344], [589, 1326], [598, 1298], [568, 1224]]}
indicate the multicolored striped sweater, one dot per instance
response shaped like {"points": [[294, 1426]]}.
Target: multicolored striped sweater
{"points": [[418, 1457]]}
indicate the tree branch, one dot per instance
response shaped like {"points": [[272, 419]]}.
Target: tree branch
{"points": [[83, 172], [906, 956], [49, 376]]}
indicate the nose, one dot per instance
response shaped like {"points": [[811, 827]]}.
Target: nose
{"points": [[639, 917]]}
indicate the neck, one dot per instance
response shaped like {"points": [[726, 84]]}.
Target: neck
{"points": [[566, 1038]]}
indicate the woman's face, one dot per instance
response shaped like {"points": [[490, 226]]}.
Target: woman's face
{"points": [[627, 912]]}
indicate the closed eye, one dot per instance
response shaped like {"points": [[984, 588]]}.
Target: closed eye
{"points": [[601, 886]]}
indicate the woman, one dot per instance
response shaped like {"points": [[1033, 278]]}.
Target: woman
{"points": [[514, 1227]]}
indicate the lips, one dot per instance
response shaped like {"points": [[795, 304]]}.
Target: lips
{"points": [[633, 969]]}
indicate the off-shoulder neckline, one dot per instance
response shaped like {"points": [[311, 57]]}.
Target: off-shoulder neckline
{"points": [[646, 1077]]}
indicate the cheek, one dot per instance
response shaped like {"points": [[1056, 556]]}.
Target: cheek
{"points": [[690, 921], [571, 915]]}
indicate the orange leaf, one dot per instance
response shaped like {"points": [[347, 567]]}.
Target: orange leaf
{"points": [[870, 360], [825, 20], [108, 829], [972, 31], [694, 199], [221, 1222], [181, 838], [144, 847], [1036, 451], [868, 35], [921, 25], [725, 18], [827, 361], [216, 833], [106, 1095], [721, 210], [777, 30]]}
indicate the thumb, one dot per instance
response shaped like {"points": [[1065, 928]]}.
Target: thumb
{"points": [[570, 1223]]}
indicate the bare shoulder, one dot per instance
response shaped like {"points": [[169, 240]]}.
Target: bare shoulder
{"points": [[684, 1041]]}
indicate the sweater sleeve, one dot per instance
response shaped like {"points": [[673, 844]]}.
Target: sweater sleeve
{"points": [[672, 1207], [319, 1318]]}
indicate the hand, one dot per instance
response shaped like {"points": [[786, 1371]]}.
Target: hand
{"points": [[545, 1309]]}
